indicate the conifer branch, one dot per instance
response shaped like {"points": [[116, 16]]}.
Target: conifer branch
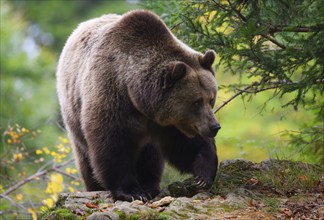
{"points": [[244, 19], [315, 28], [253, 89]]}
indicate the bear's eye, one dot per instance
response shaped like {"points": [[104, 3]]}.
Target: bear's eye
{"points": [[197, 103], [212, 102]]}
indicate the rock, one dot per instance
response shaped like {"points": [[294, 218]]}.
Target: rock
{"points": [[237, 163], [103, 216], [234, 200], [124, 207], [164, 201], [202, 196], [321, 212]]}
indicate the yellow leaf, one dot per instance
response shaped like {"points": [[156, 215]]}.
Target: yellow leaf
{"points": [[19, 197], [32, 211], [64, 140], [39, 151], [17, 156], [71, 189], [60, 148], [68, 170], [45, 149], [1, 189], [54, 197], [73, 171], [55, 185], [48, 202], [25, 130], [224, 2]]}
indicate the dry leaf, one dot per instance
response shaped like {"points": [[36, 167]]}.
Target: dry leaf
{"points": [[288, 213], [91, 205]]}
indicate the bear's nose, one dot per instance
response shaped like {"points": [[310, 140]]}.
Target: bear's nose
{"points": [[214, 129]]}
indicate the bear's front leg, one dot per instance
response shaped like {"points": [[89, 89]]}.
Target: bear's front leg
{"points": [[204, 167], [196, 156]]}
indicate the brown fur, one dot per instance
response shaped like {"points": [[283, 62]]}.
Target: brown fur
{"points": [[131, 94]]}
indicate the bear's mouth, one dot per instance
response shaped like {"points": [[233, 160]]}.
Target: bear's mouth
{"points": [[189, 132]]}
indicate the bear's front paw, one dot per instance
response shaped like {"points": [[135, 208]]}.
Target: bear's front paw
{"points": [[203, 182], [204, 170], [151, 193], [129, 197]]}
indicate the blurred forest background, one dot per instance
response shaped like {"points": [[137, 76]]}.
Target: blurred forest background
{"points": [[269, 70]]}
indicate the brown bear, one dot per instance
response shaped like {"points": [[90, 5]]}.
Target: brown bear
{"points": [[132, 95]]}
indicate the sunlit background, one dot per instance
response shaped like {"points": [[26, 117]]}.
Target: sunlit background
{"points": [[32, 36]]}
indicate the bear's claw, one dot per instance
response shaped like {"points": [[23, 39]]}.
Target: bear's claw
{"points": [[129, 197], [202, 183]]}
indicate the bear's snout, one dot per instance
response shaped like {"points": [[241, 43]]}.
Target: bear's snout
{"points": [[213, 129]]}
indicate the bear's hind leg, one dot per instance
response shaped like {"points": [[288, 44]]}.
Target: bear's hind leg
{"points": [[86, 172], [114, 165], [149, 170]]}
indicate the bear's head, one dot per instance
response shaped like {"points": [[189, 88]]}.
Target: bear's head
{"points": [[190, 97]]}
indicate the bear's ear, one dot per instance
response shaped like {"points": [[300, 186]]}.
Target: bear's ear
{"points": [[208, 59], [176, 72]]}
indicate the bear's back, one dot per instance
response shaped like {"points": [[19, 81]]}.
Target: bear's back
{"points": [[73, 59]]}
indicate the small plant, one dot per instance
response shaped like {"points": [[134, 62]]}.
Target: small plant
{"points": [[287, 178], [30, 174]]}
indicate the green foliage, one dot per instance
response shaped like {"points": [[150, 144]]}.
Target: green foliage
{"points": [[310, 140], [270, 45], [44, 14], [28, 94]]}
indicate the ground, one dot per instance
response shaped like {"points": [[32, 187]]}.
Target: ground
{"points": [[271, 189]]}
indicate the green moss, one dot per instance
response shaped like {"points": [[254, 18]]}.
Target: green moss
{"points": [[121, 215], [146, 215], [187, 188], [134, 217], [229, 208], [58, 214], [61, 199], [232, 177], [165, 216]]}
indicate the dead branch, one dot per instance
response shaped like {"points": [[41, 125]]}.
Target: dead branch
{"points": [[233, 97], [13, 202], [66, 174], [34, 177]]}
